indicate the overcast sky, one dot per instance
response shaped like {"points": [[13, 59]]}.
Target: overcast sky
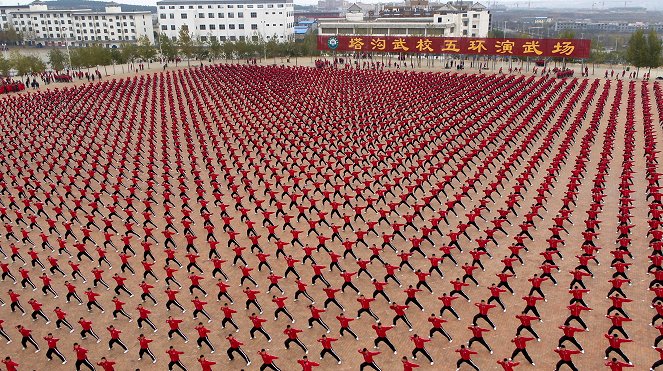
{"points": [[650, 4]]}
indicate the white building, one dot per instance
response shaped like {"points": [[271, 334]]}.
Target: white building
{"points": [[6, 14], [111, 28], [230, 20], [472, 21]]}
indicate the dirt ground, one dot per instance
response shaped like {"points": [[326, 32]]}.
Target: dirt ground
{"points": [[296, 116]]}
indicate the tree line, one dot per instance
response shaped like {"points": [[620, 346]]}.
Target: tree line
{"points": [[185, 47]]}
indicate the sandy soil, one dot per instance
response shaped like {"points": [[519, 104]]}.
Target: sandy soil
{"points": [[314, 101]]}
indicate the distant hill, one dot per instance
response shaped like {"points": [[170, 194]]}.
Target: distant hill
{"points": [[96, 5]]}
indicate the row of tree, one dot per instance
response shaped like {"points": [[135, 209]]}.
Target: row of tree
{"points": [[185, 47], [22, 64], [644, 51]]}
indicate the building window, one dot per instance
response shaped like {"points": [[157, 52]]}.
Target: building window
{"points": [[203, 27], [231, 26], [231, 15], [210, 15], [201, 15], [212, 27], [254, 26], [221, 15], [222, 27], [172, 27], [240, 15], [172, 15], [254, 15], [203, 38], [164, 27], [183, 15], [241, 26], [222, 38]]}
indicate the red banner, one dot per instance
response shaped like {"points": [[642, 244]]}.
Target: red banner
{"points": [[563, 48]]}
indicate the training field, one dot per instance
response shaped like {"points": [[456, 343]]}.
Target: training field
{"points": [[322, 162]]}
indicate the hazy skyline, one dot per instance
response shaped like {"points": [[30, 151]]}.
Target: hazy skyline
{"points": [[649, 4]]}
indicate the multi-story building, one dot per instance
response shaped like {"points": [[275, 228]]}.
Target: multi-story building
{"points": [[111, 28], [450, 21], [616, 27], [6, 14], [228, 20]]}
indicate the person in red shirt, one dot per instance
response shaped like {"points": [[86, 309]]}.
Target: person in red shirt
{"points": [[228, 316], [37, 311], [436, 323], [565, 358], [10, 364], [3, 333], [144, 348], [174, 355], [477, 335], [447, 301], [306, 364], [268, 360], [292, 334], [115, 338], [483, 313], [368, 359], [205, 364], [407, 365], [615, 343], [616, 365], [174, 325], [465, 357], [507, 364], [257, 326], [575, 311], [366, 307], [106, 364], [420, 347], [144, 316], [521, 347], [411, 293], [660, 361], [52, 343], [252, 298], [381, 336], [236, 347], [202, 336], [81, 357], [327, 348], [92, 300], [526, 324], [281, 308], [86, 328], [172, 299]]}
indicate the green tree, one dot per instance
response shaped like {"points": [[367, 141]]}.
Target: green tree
{"points": [[36, 64], [26, 64], [130, 52], [168, 48], [495, 33], [637, 51], [186, 44], [215, 48], [57, 58], [146, 50], [229, 50], [566, 34], [10, 36], [5, 66], [653, 49]]}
